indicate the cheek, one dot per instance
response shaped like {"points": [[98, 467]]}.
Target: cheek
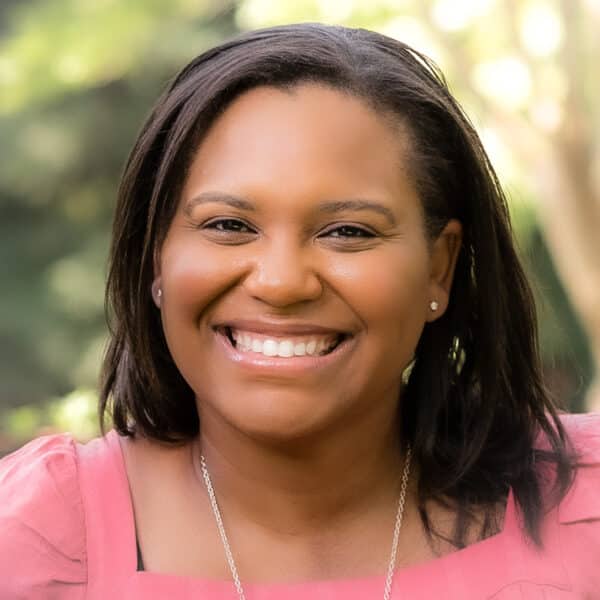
{"points": [[192, 278], [389, 294], [388, 291]]}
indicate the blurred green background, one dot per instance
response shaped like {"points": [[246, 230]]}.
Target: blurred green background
{"points": [[77, 78]]}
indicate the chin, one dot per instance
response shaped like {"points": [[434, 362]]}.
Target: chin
{"points": [[279, 417]]}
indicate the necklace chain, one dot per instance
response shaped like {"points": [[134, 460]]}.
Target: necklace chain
{"points": [[397, 525]]}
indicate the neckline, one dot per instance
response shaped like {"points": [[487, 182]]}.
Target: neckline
{"points": [[447, 562]]}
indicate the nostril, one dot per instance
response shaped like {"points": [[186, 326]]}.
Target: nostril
{"points": [[283, 282]]}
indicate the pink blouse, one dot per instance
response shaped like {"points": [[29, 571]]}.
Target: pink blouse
{"points": [[67, 533]]}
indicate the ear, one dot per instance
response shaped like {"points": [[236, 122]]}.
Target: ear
{"points": [[444, 254]]}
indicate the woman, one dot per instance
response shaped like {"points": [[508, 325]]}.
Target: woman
{"points": [[323, 372]]}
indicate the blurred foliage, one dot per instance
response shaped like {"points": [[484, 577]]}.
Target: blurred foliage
{"points": [[76, 412], [76, 80]]}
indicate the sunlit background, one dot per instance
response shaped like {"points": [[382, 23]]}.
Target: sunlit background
{"points": [[77, 77]]}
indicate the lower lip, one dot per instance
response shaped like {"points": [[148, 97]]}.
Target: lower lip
{"points": [[279, 365]]}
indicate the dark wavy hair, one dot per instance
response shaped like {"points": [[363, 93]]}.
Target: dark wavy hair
{"points": [[475, 402]]}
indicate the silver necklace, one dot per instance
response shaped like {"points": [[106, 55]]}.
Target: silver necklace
{"points": [[398, 524]]}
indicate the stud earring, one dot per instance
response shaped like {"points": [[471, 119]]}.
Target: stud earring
{"points": [[159, 293], [434, 305]]}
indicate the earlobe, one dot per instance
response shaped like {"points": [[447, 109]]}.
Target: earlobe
{"points": [[444, 256]]}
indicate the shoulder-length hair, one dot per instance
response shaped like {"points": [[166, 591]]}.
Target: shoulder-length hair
{"points": [[475, 401]]}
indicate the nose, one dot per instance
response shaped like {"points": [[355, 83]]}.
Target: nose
{"points": [[283, 274]]}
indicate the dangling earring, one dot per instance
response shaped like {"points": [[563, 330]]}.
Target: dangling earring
{"points": [[407, 371], [434, 305]]}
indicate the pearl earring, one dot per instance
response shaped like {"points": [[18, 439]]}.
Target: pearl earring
{"points": [[159, 293], [434, 305]]}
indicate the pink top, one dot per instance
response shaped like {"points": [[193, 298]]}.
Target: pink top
{"points": [[67, 533]]}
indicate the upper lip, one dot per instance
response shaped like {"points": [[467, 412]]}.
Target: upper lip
{"points": [[279, 328]]}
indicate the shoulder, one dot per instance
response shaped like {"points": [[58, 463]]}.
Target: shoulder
{"points": [[584, 433], [582, 502], [579, 511], [42, 546]]}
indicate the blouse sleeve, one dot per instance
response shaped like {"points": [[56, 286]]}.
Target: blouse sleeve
{"points": [[42, 532], [579, 512]]}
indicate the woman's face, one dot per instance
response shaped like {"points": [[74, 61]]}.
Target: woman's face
{"points": [[296, 276]]}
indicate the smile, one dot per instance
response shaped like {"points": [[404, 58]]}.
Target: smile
{"points": [[284, 347], [283, 350]]}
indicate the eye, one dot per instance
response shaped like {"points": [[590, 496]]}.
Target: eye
{"points": [[228, 226], [348, 231]]}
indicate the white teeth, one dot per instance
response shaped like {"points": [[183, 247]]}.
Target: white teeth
{"points": [[300, 349], [286, 348], [270, 348]]}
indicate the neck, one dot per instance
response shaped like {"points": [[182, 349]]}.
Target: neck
{"points": [[299, 488]]}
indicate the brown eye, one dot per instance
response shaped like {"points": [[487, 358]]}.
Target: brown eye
{"points": [[349, 231], [229, 226]]}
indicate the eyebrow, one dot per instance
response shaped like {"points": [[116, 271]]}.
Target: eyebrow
{"points": [[355, 204], [358, 204], [218, 197]]}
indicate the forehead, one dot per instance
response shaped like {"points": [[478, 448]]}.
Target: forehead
{"points": [[305, 139]]}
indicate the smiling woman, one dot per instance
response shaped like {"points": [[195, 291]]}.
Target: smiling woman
{"points": [[323, 371], [271, 247]]}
